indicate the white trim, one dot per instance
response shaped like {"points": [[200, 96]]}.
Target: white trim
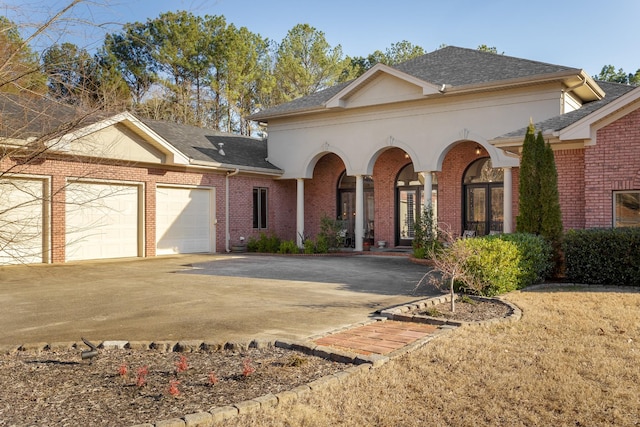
{"points": [[338, 100], [585, 128], [173, 155], [613, 204], [141, 205], [212, 221], [46, 202]]}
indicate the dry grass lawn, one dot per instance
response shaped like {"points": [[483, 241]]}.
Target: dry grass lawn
{"points": [[572, 360]]}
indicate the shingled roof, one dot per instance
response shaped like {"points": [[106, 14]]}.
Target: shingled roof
{"points": [[24, 117], [204, 145], [453, 66], [557, 123]]}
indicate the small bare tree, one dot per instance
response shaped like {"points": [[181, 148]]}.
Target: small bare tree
{"points": [[450, 265]]}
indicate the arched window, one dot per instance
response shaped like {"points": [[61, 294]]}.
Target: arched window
{"points": [[483, 191]]}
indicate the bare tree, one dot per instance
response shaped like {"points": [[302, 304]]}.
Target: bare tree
{"points": [[35, 131], [449, 264]]}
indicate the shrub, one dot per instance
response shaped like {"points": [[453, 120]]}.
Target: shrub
{"points": [[506, 262], [264, 243], [288, 247], [425, 234], [309, 246], [603, 256], [330, 233], [322, 244]]}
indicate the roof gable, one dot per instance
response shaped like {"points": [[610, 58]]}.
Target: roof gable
{"points": [[447, 71], [572, 125], [381, 85]]}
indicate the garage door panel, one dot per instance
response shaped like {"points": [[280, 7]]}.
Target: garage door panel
{"points": [[102, 221], [183, 218], [21, 221]]}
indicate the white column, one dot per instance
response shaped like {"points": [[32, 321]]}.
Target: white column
{"points": [[359, 212], [428, 188], [508, 201], [300, 212]]}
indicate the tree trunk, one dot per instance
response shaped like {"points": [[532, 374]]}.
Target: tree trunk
{"points": [[453, 296]]}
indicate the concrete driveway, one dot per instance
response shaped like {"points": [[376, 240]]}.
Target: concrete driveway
{"points": [[200, 297]]}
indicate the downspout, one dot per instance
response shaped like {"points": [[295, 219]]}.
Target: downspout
{"points": [[226, 203]]}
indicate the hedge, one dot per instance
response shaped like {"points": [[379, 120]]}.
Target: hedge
{"points": [[603, 256]]}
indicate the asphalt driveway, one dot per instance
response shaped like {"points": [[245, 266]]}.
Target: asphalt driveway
{"points": [[203, 297]]}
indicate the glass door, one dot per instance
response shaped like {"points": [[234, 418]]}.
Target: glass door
{"points": [[407, 212], [476, 209]]}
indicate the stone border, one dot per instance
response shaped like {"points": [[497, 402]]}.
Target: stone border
{"points": [[360, 363], [403, 312]]}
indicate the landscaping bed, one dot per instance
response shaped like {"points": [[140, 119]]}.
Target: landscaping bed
{"points": [[58, 388]]}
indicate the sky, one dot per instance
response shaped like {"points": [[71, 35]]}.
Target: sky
{"points": [[587, 34]]}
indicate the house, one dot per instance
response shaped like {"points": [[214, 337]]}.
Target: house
{"points": [[444, 129], [101, 186]]}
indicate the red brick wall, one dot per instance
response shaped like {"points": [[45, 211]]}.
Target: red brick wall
{"points": [[612, 164], [385, 171], [571, 181], [450, 185], [320, 193], [281, 214]]}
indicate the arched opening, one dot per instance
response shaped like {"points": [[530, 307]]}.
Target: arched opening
{"points": [[483, 191], [347, 208], [409, 202]]}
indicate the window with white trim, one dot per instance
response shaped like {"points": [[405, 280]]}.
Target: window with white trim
{"points": [[626, 208], [260, 208]]}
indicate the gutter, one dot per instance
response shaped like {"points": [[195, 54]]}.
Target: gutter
{"points": [[226, 213], [231, 168]]}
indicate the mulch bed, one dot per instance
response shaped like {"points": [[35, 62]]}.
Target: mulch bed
{"points": [[58, 388]]}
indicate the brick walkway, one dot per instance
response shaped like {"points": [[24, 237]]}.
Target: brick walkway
{"points": [[377, 338]]}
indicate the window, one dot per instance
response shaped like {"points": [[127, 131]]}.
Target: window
{"points": [[626, 209], [260, 207]]}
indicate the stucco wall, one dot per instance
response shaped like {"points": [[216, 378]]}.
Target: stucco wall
{"points": [[424, 129]]}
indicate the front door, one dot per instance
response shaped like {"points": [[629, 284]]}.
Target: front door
{"points": [[483, 198], [410, 202]]}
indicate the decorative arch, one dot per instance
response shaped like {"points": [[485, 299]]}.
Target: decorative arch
{"points": [[310, 164], [499, 157], [391, 142]]}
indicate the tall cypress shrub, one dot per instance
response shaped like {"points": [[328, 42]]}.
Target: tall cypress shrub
{"points": [[539, 208], [529, 214]]}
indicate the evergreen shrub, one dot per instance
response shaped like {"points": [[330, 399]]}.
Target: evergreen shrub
{"points": [[264, 243], [506, 262], [603, 256], [288, 247]]}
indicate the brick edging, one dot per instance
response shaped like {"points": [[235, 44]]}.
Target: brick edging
{"points": [[403, 312]]}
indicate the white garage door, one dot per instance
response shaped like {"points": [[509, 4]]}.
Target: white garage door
{"points": [[21, 221], [102, 221], [183, 220]]}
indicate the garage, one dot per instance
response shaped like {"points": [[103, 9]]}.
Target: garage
{"points": [[184, 218], [103, 220], [23, 230]]}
